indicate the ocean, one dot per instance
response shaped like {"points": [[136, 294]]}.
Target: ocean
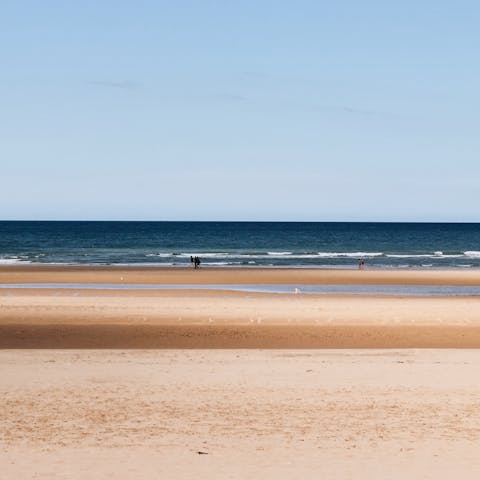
{"points": [[242, 244]]}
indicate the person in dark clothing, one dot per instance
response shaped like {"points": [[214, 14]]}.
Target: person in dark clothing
{"points": [[191, 261], [197, 262]]}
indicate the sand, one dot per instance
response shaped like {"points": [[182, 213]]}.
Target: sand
{"points": [[54, 318], [62, 318], [134, 384], [110, 274], [274, 414]]}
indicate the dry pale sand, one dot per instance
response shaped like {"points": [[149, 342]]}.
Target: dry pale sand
{"points": [[272, 414]]}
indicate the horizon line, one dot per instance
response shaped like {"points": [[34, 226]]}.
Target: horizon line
{"points": [[245, 221]]}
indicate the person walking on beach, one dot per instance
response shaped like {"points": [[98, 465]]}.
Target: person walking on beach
{"points": [[197, 262], [191, 260], [361, 264]]}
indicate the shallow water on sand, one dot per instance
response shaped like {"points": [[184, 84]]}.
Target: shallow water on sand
{"points": [[407, 290]]}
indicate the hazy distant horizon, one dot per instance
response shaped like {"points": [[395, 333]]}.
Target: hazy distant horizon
{"points": [[236, 221]]}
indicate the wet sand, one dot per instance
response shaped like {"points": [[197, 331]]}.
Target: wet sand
{"points": [[58, 318], [109, 274], [62, 318]]}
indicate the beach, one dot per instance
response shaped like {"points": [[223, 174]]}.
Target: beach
{"points": [[278, 414], [54, 318], [128, 318], [239, 241], [190, 383]]}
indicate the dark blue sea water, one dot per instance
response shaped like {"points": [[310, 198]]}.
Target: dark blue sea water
{"points": [[248, 244]]}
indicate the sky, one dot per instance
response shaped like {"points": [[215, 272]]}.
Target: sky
{"points": [[248, 110]]}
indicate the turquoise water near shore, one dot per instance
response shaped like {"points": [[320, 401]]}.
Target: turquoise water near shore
{"points": [[243, 244]]}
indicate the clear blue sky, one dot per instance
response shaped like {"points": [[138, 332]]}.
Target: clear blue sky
{"points": [[249, 110]]}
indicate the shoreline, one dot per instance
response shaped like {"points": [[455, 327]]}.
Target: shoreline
{"points": [[232, 275]]}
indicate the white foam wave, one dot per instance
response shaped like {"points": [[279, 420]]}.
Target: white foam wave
{"points": [[423, 255], [204, 255], [348, 254], [221, 263], [427, 255], [267, 255], [12, 261], [288, 255], [271, 257]]}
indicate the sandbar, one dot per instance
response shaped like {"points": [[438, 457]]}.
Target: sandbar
{"points": [[209, 275], [58, 318]]}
